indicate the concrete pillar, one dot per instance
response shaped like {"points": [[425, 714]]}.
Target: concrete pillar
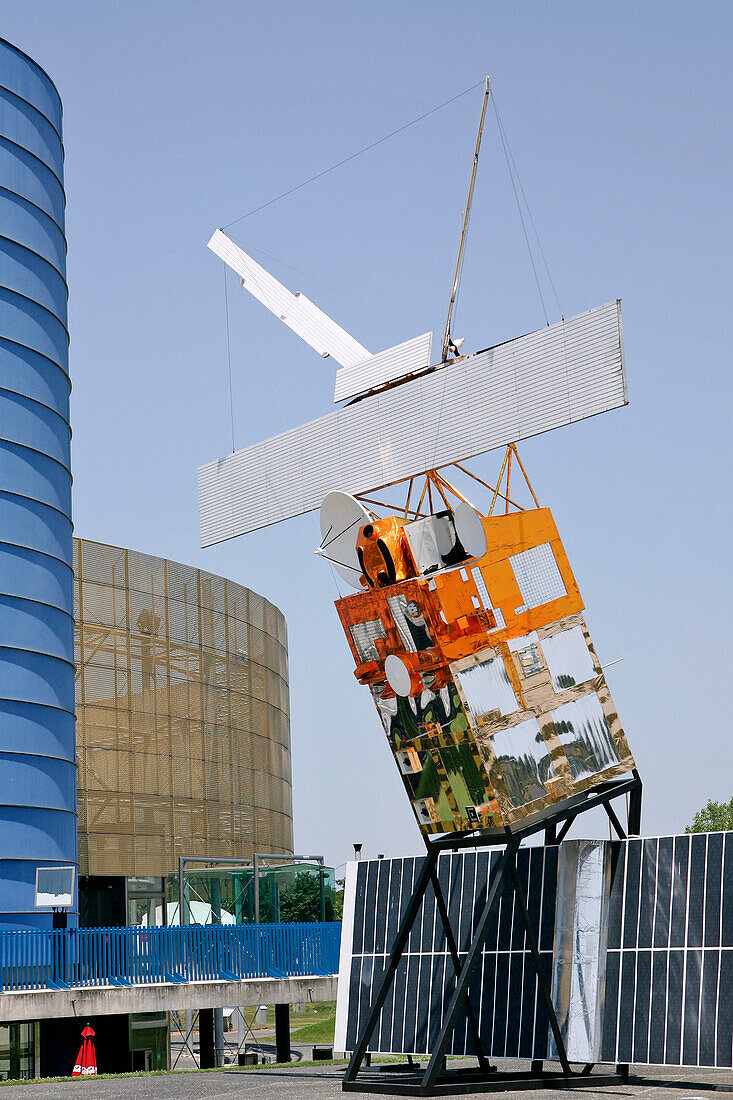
{"points": [[282, 1033], [218, 1012], [207, 1057]]}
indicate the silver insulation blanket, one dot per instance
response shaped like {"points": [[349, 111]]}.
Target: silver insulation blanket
{"points": [[580, 947]]}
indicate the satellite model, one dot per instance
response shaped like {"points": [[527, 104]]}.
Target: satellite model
{"points": [[470, 636], [467, 629]]}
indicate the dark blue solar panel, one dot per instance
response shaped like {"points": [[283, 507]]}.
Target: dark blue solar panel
{"points": [[708, 998], [668, 963], [679, 891], [616, 895], [658, 1009], [724, 1030], [647, 892], [642, 996], [690, 1021], [662, 904], [675, 990], [631, 893], [696, 892], [727, 902], [713, 890]]}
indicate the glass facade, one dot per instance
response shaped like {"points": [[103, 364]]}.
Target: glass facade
{"points": [[183, 734], [18, 1051], [225, 895]]}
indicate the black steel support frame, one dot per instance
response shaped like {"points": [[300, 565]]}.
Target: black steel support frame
{"points": [[436, 1079]]}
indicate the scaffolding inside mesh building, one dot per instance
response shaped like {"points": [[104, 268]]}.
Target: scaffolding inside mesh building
{"points": [[182, 715]]}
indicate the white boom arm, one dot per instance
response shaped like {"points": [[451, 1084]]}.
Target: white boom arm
{"points": [[295, 310]]}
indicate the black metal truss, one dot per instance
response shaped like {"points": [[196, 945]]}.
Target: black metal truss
{"points": [[436, 1079]]}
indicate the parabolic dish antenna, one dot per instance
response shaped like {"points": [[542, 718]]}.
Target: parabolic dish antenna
{"points": [[398, 675], [341, 517], [470, 530]]}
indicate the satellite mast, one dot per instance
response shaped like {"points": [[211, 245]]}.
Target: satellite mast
{"points": [[447, 341]]}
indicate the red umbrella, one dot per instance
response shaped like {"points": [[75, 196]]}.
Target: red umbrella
{"points": [[86, 1059]]}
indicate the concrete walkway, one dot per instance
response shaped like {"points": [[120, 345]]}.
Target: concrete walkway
{"points": [[45, 1004], [314, 1083]]}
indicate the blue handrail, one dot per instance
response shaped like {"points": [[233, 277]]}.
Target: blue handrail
{"points": [[77, 957]]}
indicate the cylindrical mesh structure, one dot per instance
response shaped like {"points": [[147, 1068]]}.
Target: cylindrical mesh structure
{"points": [[37, 750], [183, 731]]}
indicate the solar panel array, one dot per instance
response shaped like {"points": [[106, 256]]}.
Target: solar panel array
{"points": [[561, 374], [668, 959], [513, 1020], [669, 964]]}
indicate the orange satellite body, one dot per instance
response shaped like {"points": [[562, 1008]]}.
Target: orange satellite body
{"points": [[492, 697]]}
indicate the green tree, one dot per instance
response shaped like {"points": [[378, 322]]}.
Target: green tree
{"points": [[302, 899], [338, 900], [714, 818]]}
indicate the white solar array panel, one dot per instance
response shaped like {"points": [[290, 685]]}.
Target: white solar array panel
{"points": [[294, 310], [563, 373], [385, 366]]}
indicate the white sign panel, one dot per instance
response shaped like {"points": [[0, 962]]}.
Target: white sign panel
{"points": [[55, 887]]}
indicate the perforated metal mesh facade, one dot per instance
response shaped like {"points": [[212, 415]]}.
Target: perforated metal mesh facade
{"points": [[183, 736]]}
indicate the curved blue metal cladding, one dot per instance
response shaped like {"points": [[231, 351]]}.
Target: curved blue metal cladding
{"points": [[37, 734]]}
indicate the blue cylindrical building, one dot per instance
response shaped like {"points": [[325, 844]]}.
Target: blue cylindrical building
{"points": [[37, 736]]}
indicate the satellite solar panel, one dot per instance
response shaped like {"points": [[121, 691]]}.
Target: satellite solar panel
{"points": [[294, 310], [385, 366], [542, 381], [668, 955], [412, 1014], [669, 999]]}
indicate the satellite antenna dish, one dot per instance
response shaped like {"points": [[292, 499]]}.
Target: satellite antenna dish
{"points": [[341, 517], [470, 530], [398, 675]]}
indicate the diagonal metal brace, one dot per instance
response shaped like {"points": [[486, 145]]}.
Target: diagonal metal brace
{"points": [[460, 992]]}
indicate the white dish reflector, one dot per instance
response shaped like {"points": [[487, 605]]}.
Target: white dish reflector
{"points": [[563, 373], [295, 310], [341, 518], [470, 530], [398, 675]]}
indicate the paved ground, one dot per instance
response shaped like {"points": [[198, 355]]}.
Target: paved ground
{"points": [[313, 1083]]}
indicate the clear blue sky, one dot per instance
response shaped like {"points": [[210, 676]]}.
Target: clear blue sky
{"points": [[181, 116]]}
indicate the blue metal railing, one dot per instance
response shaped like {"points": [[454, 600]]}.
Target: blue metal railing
{"points": [[74, 957]]}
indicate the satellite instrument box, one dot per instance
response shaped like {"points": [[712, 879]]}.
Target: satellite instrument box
{"points": [[470, 636]]}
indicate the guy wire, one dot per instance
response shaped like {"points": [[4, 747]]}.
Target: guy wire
{"points": [[528, 208], [534, 227], [519, 208], [353, 156]]}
